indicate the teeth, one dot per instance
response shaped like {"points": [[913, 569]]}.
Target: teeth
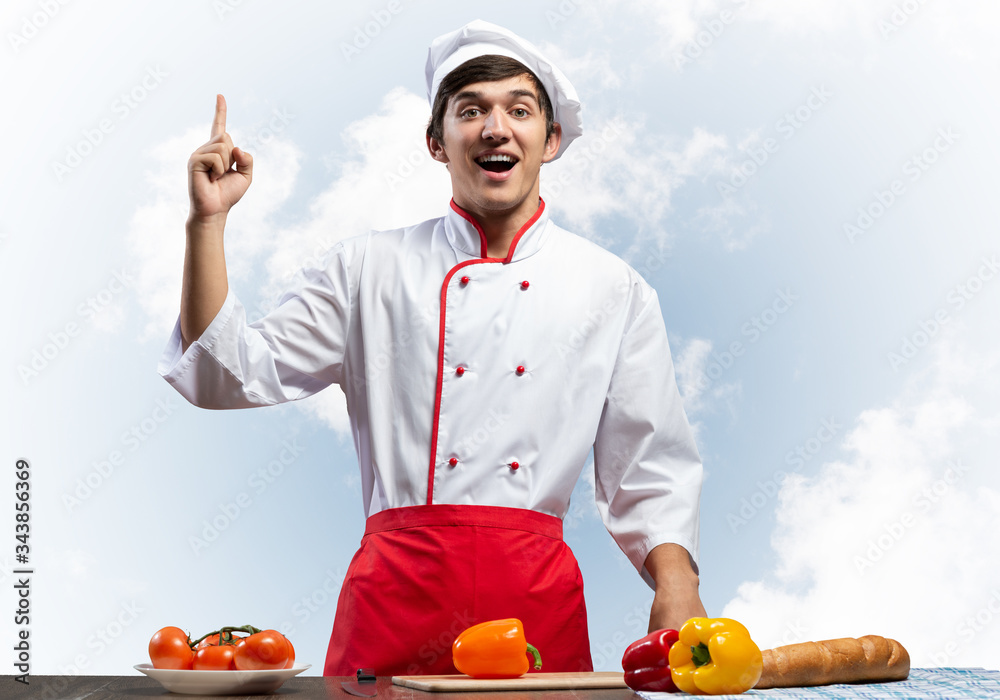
{"points": [[496, 159]]}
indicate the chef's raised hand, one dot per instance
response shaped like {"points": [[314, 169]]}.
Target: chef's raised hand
{"points": [[213, 185]]}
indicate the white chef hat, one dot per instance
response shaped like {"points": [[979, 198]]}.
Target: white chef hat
{"points": [[479, 38]]}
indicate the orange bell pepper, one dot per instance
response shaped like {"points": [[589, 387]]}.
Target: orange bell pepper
{"points": [[494, 649]]}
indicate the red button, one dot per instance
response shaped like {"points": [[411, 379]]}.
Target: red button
{"points": [[514, 465], [520, 369], [465, 280], [453, 461], [524, 284], [460, 371]]}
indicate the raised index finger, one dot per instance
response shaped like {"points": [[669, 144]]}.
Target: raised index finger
{"points": [[219, 124]]}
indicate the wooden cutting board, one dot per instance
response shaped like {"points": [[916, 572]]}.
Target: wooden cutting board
{"points": [[530, 681]]}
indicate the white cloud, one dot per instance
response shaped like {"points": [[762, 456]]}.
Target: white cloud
{"points": [[617, 170], [330, 407], [732, 169], [858, 16], [387, 180], [699, 378], [686, 22], [677, 22], [689, 365], [963, 28], [721, 221], [589, 72], [156, 233], [690, 30], [73, 568], [900, 538]]}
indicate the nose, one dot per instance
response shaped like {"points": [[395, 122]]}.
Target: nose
{"points": [[495, 126]]}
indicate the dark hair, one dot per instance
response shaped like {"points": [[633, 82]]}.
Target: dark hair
{"points": [[484, 69]]}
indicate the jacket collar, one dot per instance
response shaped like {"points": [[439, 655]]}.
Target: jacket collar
{"points": [[466, 235]]}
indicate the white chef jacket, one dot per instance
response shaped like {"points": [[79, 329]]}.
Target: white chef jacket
{"points": [[475, 380]]}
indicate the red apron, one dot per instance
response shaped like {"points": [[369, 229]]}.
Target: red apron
{"points": [[423, 574]]}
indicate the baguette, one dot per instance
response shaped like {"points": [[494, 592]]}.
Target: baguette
{"points": [[865, 660]]}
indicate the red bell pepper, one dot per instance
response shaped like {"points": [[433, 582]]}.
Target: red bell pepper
{"points": [[646, 665]]}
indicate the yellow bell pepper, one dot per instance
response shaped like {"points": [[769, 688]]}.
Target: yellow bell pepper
{"points": [[714, 656]]}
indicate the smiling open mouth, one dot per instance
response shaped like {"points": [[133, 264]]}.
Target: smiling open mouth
{"points": [[496, 163]]}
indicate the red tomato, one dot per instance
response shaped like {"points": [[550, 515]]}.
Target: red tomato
{"points": [[214, 658], [265, 650], [213, 641], [169, 648], [291, 653]]}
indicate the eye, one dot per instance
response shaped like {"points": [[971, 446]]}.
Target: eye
{"points": [[471, 112], [520, 112]]}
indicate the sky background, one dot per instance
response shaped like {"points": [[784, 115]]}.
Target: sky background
{"points": [[809, 186]]}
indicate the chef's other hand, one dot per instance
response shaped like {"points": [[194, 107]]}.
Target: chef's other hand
{"points": [[676, 599], [214, 187]]}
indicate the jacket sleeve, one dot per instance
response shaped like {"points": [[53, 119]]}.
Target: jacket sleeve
{"points": [[648, 473], [293, 352]]}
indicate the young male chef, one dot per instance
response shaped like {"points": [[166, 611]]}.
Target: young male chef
{"points": [[483, 354]]}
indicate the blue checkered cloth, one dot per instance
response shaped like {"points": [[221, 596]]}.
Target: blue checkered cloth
{"points": [[952, 683]]}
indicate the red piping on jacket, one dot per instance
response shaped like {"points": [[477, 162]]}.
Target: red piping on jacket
{"points": [[444, 298], [482, 235]]}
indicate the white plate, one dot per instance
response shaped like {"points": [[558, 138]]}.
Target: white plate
{"points": [[220, 682]]}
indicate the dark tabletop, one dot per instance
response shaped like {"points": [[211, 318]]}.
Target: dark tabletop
{"points": [[298, 688], [923, 684]]}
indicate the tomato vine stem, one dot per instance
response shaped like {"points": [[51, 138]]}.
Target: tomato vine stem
{"points": [[226, 634]]}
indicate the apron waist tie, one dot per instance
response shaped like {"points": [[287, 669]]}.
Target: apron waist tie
{"points": [[446, 514]]}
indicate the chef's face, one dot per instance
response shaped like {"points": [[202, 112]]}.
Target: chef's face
{"points": [[494, 143]]}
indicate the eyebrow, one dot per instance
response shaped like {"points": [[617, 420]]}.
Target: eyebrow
{"points": [[475, 95]]}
